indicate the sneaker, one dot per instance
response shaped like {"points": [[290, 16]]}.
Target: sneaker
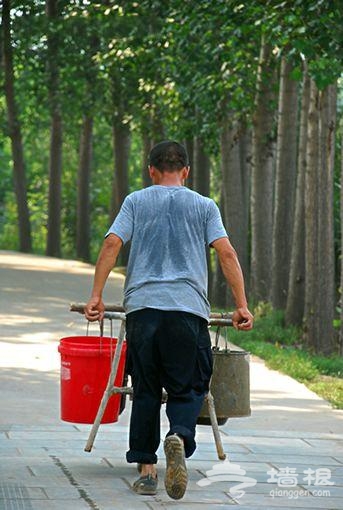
{"points": [[146, 485], [176, 477]]}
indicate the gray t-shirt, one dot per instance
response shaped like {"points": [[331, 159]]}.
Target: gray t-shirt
{"points": [[169, 228]]}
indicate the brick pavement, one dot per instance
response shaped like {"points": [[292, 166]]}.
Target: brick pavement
{"points": [[45, 467]]}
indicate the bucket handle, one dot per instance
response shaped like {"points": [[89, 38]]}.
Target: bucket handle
{"points": [[101, 327], [101, 334], [217, 338]]}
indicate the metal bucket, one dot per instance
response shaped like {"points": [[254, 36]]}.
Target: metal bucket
{"points": [[230, 386]]}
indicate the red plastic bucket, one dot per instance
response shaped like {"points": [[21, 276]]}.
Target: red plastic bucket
{"points": [[85, 369]]}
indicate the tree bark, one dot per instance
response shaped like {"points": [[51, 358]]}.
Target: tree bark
{"points": [[326, 251], [189, 144], [55, 162], [147, 146], [245, 162], [219, 293], [120, 187], [201, 184], [341, 288], [19, 175], [233, 182], [311, 220], [296, 287], [286, 158], [121, 149], [201, 173], [83, 201], [262, 178]]}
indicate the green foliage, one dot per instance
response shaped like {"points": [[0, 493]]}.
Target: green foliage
{"points": [[329, 388], [332, 365], [8, 223], [269, 327], [169, 69]]}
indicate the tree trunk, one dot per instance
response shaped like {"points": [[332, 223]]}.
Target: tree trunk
{"points": [[326, 251], [262, 179], [286, 158], [296, 288], [120, 188], [83, 202], [201, 173], [19, 177], [189, 144], [201, 184], [233, 182], [341, 289], [55, 162], [245, 162], [121, 149], [311, 220], [147, 146], [219, 293]]}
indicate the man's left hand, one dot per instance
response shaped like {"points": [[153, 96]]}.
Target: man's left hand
{"points": [[242, 319]]}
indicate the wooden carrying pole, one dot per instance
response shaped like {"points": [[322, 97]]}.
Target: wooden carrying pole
{"points": [[216, 319], [116, 312]]}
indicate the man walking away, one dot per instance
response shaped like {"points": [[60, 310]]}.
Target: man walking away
{"points": [[167, 310]]}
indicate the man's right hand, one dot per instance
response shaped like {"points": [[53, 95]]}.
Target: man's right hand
{"points": [[94, 309]]}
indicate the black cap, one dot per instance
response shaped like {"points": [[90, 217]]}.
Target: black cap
{"points": [[168, 156]]}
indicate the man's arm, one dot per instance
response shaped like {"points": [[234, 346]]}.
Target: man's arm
{"points": [[242, 318], [94, 309]]}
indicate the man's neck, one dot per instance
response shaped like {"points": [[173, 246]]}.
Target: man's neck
{"points": [[169, 179], [176, 178]]}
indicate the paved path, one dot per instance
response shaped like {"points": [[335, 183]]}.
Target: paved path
{"points": [[291, 448]]}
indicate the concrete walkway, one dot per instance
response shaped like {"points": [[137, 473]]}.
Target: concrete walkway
{"points": [[288, 454]]}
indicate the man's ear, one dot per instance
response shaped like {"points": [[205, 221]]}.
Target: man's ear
{"points": [[154, 172], [185, 172], [151, 171]]}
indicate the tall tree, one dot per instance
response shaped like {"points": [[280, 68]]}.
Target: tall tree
{"points": [[146, 148], [320, 286], [189, 144], [234, 184], [341, 219], [326, 256], [311, 220], [201, 183], [121, 150], [286, 157], [55, 160], [245, 163], [120, 184], [14, 127], [83, 181], [296, 287], [89, 74], [262, 178], [219, 296], [201, 171]]}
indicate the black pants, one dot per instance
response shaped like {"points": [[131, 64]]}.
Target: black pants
{"points": [[170, 350]]}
